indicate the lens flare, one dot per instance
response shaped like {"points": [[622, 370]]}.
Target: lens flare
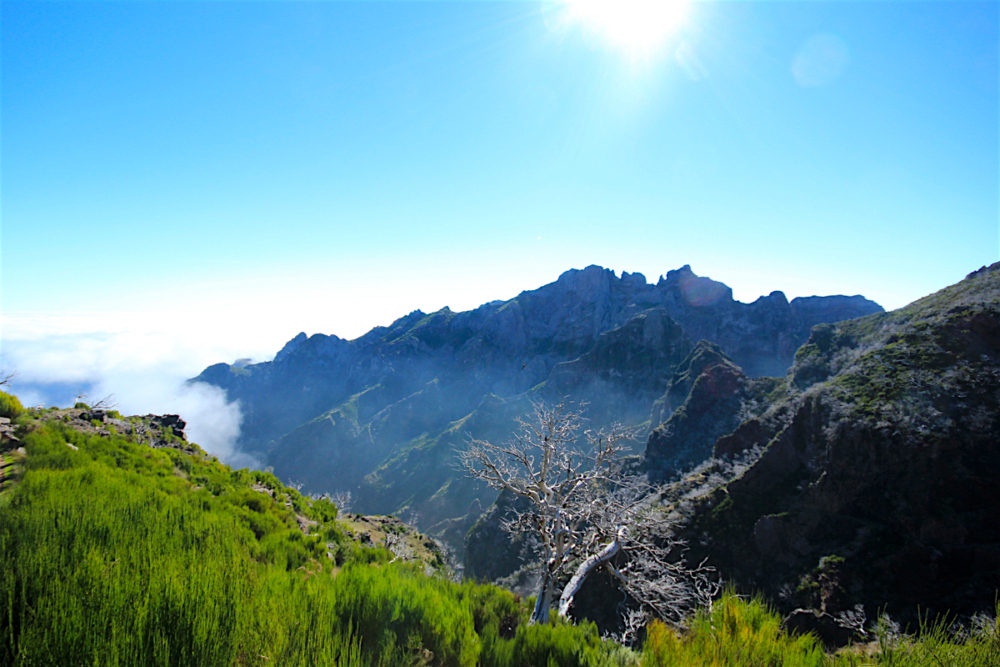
{"points": [[637, 27]]}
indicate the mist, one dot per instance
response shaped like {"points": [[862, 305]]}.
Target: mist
{"points": [[132, 371]]}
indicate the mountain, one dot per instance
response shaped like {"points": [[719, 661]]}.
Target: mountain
{"points": [[872, 477], [382, 416]]}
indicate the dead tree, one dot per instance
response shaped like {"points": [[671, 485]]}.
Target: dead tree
{"points": [[587, 513]]}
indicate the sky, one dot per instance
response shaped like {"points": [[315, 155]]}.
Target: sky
{"points": [[189, 182]]}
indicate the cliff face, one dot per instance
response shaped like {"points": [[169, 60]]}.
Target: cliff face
{"points": [[877, 482], [709, 396], [383, 415]]}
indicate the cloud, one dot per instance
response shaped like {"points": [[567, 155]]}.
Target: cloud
{"points": [[143, 372]]}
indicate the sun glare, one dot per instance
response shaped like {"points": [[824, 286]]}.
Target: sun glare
{"points": [[638, 27]]}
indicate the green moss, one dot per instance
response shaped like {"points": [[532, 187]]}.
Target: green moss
{"points": [[722, 510]]}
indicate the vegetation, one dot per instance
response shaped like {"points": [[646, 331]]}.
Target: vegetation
{"points": [[118, 553], [585, 510], [734, 632], [10, 406], [740, 632]]}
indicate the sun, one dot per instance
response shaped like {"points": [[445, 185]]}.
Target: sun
{"points": [[636, 27]]}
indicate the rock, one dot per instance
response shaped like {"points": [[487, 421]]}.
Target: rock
{"points": [[717, 395], [172, 423], [492, 553], [7, 431]]}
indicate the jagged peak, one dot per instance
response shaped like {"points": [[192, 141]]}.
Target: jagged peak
{"points": [[995, 266], [634, 278], [291, 346], [592, 271], [317, 344], [693, 289], [677, 274], [777, 295]]}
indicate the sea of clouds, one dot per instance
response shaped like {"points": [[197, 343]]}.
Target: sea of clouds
{"points": [[135, 370]]}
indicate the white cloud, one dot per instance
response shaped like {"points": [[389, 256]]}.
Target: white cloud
{"points": [[143, 371]]}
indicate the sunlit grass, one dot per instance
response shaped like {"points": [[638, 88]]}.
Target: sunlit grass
{"points": [[740, 632], [115, 553]]}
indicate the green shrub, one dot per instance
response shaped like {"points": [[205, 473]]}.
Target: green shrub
{"points": [[735, 632], [936, 643], [10, 406]]}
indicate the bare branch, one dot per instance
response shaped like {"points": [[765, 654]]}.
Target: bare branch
{"points": [[106, 403], [586, 512]]}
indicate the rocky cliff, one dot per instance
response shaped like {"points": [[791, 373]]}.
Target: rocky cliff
{"points": [[709, 397], [876, 481]]}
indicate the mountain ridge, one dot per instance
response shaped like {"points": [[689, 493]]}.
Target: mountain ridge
{"points": [[874, 481], [592, 336]]}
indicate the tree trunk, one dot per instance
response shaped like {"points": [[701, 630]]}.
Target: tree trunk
{"points": [[585, 568], [543, 601]]}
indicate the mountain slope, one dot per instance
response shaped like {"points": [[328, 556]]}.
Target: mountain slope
{"points": [[877, 481], [124, 544]]}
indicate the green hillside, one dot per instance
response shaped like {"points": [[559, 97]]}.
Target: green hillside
{"points": [[123, 544], [119, 553]]}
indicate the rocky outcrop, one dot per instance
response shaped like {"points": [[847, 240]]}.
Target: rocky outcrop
{"points": [[883, 461], [712, 396], [491, 552]]}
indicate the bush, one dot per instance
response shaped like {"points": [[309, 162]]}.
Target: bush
{"points": [[10, 406], [735, 632]]}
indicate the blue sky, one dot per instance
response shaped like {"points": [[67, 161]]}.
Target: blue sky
{"points": [[210, 178]]}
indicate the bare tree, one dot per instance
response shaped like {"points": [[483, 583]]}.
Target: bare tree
{"points": [[587, 513]]}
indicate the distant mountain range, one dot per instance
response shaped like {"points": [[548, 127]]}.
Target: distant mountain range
{"points": [[382, 416]]}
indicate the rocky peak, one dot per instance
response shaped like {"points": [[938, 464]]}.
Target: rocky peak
{"points": [[634, 279], [711, 395], [585, 279], [775, 299], [688, 289], [290, 347], [705, 354]]}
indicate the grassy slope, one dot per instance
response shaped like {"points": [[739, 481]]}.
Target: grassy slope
{"points": [[117, 553]]}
